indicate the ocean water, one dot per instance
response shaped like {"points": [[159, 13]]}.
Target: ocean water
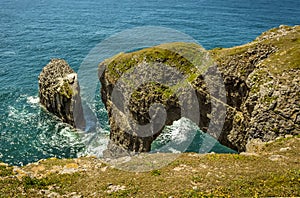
{"points": [[34, 31]]}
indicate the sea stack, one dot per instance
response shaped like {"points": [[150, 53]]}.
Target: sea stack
{"points": [[59, 92]]}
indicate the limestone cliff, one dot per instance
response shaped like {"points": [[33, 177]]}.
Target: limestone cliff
{"points": [[261, 82], [60, 94]]}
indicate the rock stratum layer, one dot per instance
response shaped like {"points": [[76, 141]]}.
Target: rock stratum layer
{"points": [[260, 80], [60, 94]]}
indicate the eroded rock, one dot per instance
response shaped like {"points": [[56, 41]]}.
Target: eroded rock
{"points": [[60, 93], [261, 81]]}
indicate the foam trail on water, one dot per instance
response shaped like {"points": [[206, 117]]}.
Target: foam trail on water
{"points": [[95, 143]]}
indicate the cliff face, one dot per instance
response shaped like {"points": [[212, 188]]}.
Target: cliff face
{"points": [[261, 84], [142, 101], [262, 81], [60, 94]]}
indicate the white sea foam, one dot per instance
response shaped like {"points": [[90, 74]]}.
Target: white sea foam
{"points": [[9, 53], [12, 112], [19, 115], [177, 137], [95, 142], [33, 100]]}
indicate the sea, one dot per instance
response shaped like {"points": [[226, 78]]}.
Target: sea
{"points": [[32, 32]]}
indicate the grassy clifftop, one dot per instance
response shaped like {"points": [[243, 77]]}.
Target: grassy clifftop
{"points": [[286, 41], [182, 56], [269, 170]]}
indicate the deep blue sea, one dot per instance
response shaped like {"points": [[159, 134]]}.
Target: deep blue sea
{"points": [[34, 31]]}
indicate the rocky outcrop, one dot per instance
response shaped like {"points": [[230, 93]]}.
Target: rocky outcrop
{"points": [[138, 113], [263, 84], [60, 94], [261, 88]]}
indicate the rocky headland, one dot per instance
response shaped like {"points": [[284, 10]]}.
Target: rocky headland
{"points": [[261, 82]]}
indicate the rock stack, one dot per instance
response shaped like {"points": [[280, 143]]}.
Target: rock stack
{"points": [[60, 93]]}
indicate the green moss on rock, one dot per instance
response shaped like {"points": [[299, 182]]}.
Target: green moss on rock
{"points": [[66, 90], [6, 170], [185, 57], [287, 40]]}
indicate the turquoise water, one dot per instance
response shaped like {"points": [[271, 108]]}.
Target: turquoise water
{"points": [[32, 32]]}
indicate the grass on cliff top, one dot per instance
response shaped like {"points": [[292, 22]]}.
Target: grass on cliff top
{"points": [[187, 58], [191, 59], [287, 56], [190, 175]]}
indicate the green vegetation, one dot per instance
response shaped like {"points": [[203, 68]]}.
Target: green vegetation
{"points": [[190, 175], [66, 90], [29, 183], [153, 88], [5, 171], [259, 77], [220, 53], [287, 57], [155, 172], [188, 58], [273, 171], [268, 100]]}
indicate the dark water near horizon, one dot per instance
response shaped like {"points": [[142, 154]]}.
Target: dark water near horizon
{"points": [[32, 32]]}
